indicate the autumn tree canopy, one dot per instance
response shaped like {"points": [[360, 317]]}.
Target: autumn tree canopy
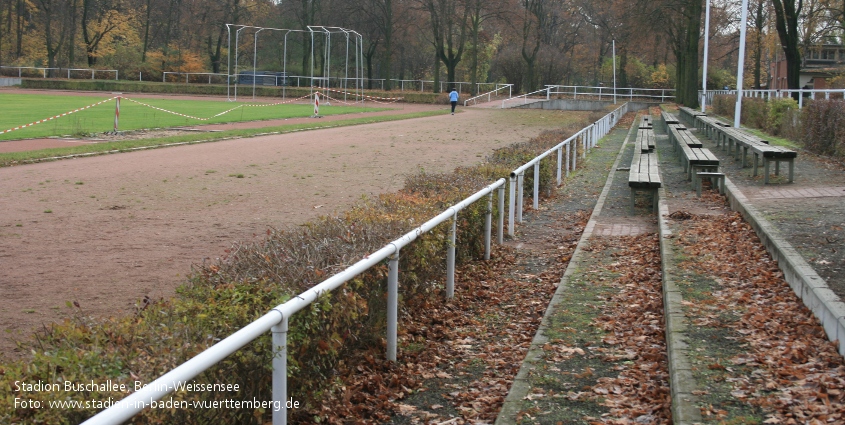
{"points": [[528, 43]]}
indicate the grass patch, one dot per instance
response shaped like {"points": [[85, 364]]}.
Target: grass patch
{"points": [[13, 158], [17, 110]]}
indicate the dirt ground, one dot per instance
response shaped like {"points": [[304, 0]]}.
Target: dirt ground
{"points": [[106, 231]]}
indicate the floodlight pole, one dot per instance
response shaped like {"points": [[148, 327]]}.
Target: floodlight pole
{"points": [[740, 71], [706, 45]]}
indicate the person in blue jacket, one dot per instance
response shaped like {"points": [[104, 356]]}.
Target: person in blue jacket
{"points": [[453, 98]]}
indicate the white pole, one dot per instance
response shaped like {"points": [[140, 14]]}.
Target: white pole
{"points": [[706, 45], [255, 60], [740, 69], [614, 72]]}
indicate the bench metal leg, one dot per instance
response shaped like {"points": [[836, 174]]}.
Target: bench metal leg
{"points": [[744, 156], [777, 167], [633, 200], [654, 203], [766, 170], [756, 158], [791, 169]]}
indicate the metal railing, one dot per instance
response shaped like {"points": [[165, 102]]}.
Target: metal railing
{"points": [[220, 77], [587, 138], [44, 71], [778, 94], [596, 93], [491, 93], [277, 319], [524, 97], [601, 92]]}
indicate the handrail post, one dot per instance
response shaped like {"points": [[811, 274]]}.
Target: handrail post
{"points": [[536, 203], [280, 371], [450, 258], [500, 233], [559, 164], [392, 304], [568, 146], [488, 226], [520, 179], [512, 204]]}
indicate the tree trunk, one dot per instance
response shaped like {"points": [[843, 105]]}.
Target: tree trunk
{"points": [[388, 42], [786, 22], [687, 90], [147, 32]]}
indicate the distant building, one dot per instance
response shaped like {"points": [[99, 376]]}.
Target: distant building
{"points": [[820, 63]]}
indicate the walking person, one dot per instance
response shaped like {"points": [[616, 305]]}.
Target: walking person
{"points": [[453, 98]]}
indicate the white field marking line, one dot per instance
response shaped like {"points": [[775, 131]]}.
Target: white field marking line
{"points": [[57, 116]]}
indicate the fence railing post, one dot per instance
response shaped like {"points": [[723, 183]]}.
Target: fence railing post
{"points": [[500, 233], [512, 205], [536, 203], [567, 154], [520, 179], [559, 164], [280, 371], [488, 226], [450, 258], [392, 304]]}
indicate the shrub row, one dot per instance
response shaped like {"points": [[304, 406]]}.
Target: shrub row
{"points": [[221, 297], [209, 89], [818, 126]]}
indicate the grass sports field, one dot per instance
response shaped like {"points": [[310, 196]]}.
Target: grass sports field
{"points": [[20, 109]]}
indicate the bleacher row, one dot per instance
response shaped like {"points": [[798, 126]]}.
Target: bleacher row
{"points": [[698, 162], [736, 140], [644, 175]]}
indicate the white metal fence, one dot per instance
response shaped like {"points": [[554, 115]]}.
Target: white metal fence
{"points": [[803, 94], [587, 138], [489, 95], [277, 320], [55, 72], [594, 93]]}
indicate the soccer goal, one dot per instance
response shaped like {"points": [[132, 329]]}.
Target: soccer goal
{"points": [[330, 57]]}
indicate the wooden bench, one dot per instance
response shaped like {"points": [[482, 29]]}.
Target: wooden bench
{"points": [[644, 176], [645, 135], [668, 119], [739, 142], [690, 115], [717, 181]]}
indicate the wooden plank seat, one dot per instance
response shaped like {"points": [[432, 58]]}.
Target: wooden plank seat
{"points": [[645, 140], [739, 142], [644, 175], [646, 122], [696, 160], [717, 181], [689, 115], [679, 135]]}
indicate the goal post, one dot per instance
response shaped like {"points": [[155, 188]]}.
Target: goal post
{"points": [[347, 42]]}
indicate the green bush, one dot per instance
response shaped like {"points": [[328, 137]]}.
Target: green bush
{"points": [[823, 127], [780, 115], [724, 104], [754, 112]]}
